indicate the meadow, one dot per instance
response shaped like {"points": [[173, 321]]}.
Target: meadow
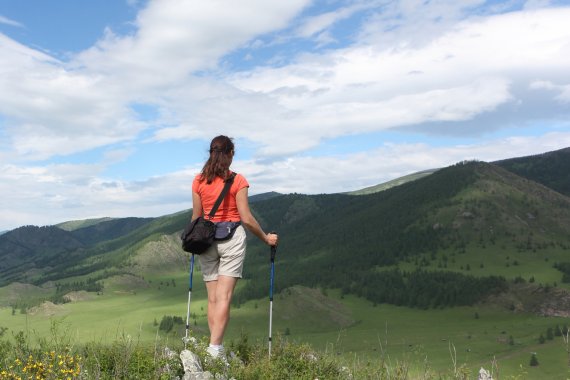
{"points": [[348, 328]]}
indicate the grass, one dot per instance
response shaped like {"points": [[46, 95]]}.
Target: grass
{"points": [[382, 334], [347, 329], [499, 261], [58, 356]]}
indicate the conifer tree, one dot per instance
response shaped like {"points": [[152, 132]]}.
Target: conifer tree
{"points": [[533, 360]]}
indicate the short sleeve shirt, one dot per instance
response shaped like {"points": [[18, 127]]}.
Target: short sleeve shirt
{"points": [[227, 212]]}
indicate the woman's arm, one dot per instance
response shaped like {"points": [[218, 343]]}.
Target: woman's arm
{"points": [[196, 205], [249, 220]]}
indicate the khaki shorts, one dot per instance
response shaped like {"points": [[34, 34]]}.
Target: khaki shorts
{"points": [[224, 258]]}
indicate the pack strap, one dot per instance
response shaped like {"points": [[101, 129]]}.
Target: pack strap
{"points": [[222, 195]]}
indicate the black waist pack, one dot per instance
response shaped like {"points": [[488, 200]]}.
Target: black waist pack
{"points": [[199, 234], [225, 230]]}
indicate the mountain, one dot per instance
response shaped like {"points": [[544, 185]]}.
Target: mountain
{"points": [[108, 229], [552, 169], [76, 224], [382, 245], [29, 247], [263, 196], [347, 240], [395, 182], [30, 251]]}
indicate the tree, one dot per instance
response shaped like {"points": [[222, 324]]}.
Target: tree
{"points": [[549, 333], [541, 339], [533, 360]]}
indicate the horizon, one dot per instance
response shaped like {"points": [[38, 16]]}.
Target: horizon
{"points": [[250, 195], [107, 110]]}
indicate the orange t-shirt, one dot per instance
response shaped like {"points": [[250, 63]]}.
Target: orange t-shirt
{"points": [[227, 212]]}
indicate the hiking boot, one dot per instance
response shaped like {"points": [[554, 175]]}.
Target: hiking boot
{"points": [[218, 354]]}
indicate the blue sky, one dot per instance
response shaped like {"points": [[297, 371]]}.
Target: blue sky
{"points": [[107, 107]]}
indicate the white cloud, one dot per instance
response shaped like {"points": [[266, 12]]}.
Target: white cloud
{"points": [[562, 90], [175, 39], [67, 192], [53, 107], [355, 171], [319, 24], [7, 21], [462, 74], [415, 64]]}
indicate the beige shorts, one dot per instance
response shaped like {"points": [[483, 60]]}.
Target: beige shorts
{"points": [[224, 257]]}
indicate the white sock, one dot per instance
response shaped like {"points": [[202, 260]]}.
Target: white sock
{"points": [[216, 349]]}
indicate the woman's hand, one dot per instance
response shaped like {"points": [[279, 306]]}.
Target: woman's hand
{"points": [[271, 239]]}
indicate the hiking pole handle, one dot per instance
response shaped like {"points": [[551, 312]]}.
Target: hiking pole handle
{"points": [[273, 248]]}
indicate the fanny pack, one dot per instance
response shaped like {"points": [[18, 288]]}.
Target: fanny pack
{"points": [[225, 230]]}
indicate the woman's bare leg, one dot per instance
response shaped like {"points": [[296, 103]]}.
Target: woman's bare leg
{"points": [[219, 298]]}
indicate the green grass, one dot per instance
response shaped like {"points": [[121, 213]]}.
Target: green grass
{"points": [[499, 261], [384, 332], [393, 183], [350, 329]]}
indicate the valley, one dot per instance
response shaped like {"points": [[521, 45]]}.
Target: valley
{"points": [[460, 266]]}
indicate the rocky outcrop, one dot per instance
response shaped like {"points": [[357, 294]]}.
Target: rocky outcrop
{"points": [[193, 367], [545, 301]]}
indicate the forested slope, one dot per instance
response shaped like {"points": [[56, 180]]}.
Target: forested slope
{"points": [[345, 241], [355, 243]]}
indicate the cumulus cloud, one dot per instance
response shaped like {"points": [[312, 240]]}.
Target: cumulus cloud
{"points": [[436, 68], [562, 90], [79, 191], [175, 39], [466, 72], [53, 107]]}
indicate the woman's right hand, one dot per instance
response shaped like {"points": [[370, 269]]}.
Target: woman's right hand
{"points": [[271, 239]]}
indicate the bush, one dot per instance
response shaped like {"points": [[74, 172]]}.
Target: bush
{"points": [[533, 360], [168, 322]]}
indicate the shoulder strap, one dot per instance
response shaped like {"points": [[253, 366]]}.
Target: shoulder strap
{"points": [[222, 195]]}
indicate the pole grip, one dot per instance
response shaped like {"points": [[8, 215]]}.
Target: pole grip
{"points": [[273, 248]]}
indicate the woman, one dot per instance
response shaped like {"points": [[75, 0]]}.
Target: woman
{"points": [[222, 263]]}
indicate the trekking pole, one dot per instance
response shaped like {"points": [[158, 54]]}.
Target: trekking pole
{"points": [[189, 299], [273, 251]]}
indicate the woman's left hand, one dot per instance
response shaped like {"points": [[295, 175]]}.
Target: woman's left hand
{"points": [[272, 239]]}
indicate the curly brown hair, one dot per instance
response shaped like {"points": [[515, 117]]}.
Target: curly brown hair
{"points": [[221, 155]]}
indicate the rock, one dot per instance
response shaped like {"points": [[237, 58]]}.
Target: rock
{"points": [[198, 376], [484, 374], [168, 353], [191, 362]]}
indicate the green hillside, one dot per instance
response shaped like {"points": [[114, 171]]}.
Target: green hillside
{"points": [[395, 182], [76, 224], [344, 242], [552, 169]]}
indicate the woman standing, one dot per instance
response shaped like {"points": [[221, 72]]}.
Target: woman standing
{"points": [[222, 263]]}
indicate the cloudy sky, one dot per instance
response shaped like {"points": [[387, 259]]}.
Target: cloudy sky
{"points": [[107, 107]]}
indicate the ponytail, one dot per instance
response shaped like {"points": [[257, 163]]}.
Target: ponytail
{"points": [[221, 155]]}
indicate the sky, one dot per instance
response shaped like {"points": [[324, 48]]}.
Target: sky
{"points": [[107, 107]]}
